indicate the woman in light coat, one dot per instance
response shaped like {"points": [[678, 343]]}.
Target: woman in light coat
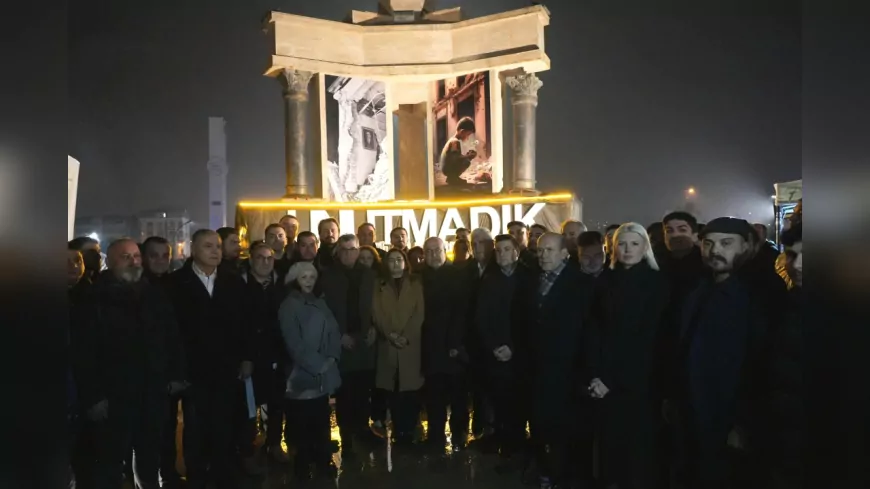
{"points": [[313, 341], [398, 317]]}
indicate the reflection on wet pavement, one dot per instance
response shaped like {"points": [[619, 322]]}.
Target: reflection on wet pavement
{"points": [[411, 468]]}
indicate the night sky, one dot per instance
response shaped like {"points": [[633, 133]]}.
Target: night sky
{"points": [[639, 104]]}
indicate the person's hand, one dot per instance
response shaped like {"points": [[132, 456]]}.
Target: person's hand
{"points": [[176, 386], [347, 342], [99, 410], [597, 388], [246, 370], [371, 337], [453, 352]]}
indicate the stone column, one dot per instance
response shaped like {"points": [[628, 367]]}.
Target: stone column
{"points": [[296, 164], [524, 98]]}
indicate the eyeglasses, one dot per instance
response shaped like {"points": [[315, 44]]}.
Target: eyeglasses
{"points": [[396, 260]]}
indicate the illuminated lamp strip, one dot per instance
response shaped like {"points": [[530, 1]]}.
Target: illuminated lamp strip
{"points": [[408, 204]]}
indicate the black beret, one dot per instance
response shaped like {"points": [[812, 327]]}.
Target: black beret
{"points": [[728, 225]]}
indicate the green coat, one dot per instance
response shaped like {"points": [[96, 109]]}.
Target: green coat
{"points": [[334, 283]]}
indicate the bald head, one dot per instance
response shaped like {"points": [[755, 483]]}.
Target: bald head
{"points": [[552, 251], [435, 252], [125, 260]]}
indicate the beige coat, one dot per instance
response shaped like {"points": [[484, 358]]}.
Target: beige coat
{"points": [[402, 314]]}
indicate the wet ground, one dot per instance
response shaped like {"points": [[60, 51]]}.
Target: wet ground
{"points": [[378, 464]]}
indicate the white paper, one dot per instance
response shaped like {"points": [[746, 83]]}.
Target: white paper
{"points": [[252, 404]]}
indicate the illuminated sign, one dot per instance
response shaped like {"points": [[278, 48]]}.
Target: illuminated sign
{"points": [[422, 219], [423, 223]]}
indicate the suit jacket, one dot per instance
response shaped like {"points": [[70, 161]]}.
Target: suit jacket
{"points": [[216, 337]]}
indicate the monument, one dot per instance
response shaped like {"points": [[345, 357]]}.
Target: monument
{"points": [[410, 116], [217, 172]]}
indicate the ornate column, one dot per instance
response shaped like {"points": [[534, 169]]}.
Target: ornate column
{"points": [[296, 164], [524, 99]]}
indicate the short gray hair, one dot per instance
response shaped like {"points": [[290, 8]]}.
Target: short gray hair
{"points": [[481, 234], [345, 238]]}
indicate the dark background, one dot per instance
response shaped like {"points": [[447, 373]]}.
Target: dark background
{"points": [[642, 101]]}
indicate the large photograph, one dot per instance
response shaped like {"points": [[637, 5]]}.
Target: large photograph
{"points": [[463, 146], [357, 167]]}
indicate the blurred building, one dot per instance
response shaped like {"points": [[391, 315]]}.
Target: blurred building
{"points": [[106, 229], [173, 224]]}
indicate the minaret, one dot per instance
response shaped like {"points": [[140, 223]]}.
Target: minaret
{"points": [[217, 173]]}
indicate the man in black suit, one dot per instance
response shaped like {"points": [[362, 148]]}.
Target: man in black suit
{"points": [[219, 350]]}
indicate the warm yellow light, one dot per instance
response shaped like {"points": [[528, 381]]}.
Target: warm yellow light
{"points": [[691, 190], [408, 204]]}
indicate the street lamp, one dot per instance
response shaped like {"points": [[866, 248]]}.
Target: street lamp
{"points": [[690, 191]]}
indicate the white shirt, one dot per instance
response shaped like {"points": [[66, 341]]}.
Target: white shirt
{"points": [[207, 280], [480, 269]]}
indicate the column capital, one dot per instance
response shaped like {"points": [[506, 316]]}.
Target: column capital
{"points": [[294, 81], [524, 86]]}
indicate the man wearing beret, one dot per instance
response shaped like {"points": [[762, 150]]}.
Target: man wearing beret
{"points": [[721, 337]]}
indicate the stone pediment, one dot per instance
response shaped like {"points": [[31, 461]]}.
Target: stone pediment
{"points": [[439, 46]]}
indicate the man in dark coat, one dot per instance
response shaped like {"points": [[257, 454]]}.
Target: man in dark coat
{"points": [[555, 351], [348, 288], [482, 245], [787, 395], [520, 231], [327, 230], [679, 259], [129, 356], [262, 296], [445, 357], [718, 360], [219, 350], [502, 320]]}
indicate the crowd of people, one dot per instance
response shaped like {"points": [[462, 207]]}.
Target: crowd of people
{"points": [[644, 357]]}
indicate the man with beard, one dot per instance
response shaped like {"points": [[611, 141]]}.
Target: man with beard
{"points": [[129, 357], [399, 239], [444, 354], [520, 231], [788, 395], [348, 289], [328, 231], [501, 318], [718, 360], [219, 350], [555, 353], [231, 250]]}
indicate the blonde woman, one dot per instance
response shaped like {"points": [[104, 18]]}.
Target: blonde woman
{"points": [[398, 317], [625, 317], [313, 341]]}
